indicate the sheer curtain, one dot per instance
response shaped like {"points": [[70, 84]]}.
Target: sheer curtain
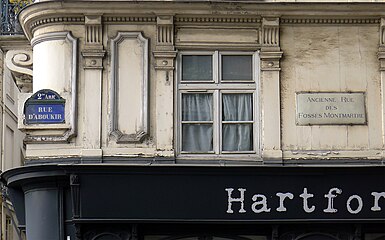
{"points": [[237, 131], [197, 127]]}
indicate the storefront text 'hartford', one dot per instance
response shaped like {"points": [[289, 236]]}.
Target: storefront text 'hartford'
{"points": [[354, 204]]}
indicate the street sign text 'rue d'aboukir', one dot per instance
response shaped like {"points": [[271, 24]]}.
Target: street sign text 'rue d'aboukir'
{"points": [[44, 107]]}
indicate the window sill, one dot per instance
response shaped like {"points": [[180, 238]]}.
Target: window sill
{"points": [[221, 159]]}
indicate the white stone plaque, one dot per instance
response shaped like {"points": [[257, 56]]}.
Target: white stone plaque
{"points": [[330, 108]]}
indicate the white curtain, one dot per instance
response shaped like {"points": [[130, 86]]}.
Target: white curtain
{"points": [[197, 137], [197, 127], [237, 136]]}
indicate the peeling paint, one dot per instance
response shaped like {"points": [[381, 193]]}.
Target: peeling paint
{"points": [[316, 153]]}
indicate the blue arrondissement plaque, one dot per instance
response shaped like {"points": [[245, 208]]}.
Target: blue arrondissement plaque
{"points": [[44, 107]]}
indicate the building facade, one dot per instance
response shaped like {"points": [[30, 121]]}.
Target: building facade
{"points": [[202, 120], [12, 150]]}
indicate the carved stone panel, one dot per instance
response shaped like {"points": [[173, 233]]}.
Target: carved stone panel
{"points": [[129, 87]]}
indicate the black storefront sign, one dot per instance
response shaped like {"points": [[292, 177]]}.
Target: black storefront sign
{"points": [[235, 194], [76, 199]]}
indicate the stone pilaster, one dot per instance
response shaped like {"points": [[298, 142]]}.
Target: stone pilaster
{"points": [[164, 55], [381, 58], [270, 88], [93, 54]]}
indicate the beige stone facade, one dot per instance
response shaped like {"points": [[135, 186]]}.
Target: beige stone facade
{"points": [[15, 66], [157, 93], [83, 51]]}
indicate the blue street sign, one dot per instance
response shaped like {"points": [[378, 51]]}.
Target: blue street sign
{"points": [[44, 107]]}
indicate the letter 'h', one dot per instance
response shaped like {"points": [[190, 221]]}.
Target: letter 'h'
{"points": [[240, 200]]}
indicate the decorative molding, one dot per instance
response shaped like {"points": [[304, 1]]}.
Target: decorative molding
{"points": [[81, 20], [138, 136], [381, 57], [194, 19], [188, 25], [134, 232], [55, 20], [275, 232], [94, 32], [357, 232], [75, 195], [136, 19], [93, 53], [303, 234], [107, 234], [78, 231], [52, 36], [330, 21], [165, 33], [270, 61], [382, 34], [20, 62], [270, 32], [165, 53], [164, 60], [381, 49], [72, 131], [93, 59]]}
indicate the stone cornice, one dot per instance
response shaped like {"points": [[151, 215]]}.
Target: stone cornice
{"points": [[10, 42], [213, 19], [328, 21], [30, 27], [198, 12], [128, 19]]}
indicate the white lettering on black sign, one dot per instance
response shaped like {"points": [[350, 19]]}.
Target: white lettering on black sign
{"points": [[260, 204]]}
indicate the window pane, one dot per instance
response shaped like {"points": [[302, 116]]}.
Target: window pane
{"points": [[237, 107], [237, 67], [197, 68], [197, 107], [197, 137], [237, 137]]}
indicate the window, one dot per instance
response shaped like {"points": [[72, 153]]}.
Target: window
{"points": [[8, 228], [217, 103]]}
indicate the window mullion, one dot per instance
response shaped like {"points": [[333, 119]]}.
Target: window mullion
{"points": [[216, 67], [216, 105], [256, 118], [179, 121], [197, 122], [219, 122], [237, 122]]}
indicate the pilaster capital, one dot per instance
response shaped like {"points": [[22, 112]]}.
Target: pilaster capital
{"points": [[93, 58], [270, 61], [93, 52], [164, 60]]}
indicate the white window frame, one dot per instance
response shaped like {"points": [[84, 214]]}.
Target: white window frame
{"points": [[218, 88]]}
